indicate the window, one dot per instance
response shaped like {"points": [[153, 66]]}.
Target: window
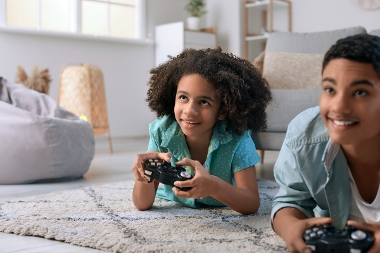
{"points": [[114, 18]]}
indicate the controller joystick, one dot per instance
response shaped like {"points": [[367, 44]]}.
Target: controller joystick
{"points": [[165, 173], [327, 238]]}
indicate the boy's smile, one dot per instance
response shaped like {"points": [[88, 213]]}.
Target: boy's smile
{"points": [[197, 107], [350, 101]]}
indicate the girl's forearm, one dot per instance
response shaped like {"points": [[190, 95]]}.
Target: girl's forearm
{"points": [[144, 194], [240, 199]]}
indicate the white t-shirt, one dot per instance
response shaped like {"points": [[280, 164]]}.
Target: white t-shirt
{"points": [[362, 210]]}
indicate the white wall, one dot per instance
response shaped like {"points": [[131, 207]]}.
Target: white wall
{"points": [[320, 15], [125, 66], [227, 16]]}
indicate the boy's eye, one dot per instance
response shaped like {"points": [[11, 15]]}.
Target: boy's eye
{"points": [[361, 93], [329, 90], [204, 102]]}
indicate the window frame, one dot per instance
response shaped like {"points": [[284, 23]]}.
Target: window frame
{"points": [[76, 23]]}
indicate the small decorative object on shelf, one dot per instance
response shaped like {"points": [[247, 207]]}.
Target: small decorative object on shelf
{"points": [[196, 10], [81, 91]]}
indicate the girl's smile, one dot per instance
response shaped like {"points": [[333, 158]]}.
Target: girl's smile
{"points": [[190, 123]]}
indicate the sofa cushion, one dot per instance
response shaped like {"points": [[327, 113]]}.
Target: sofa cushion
{"points": [[375, 32], [308, 43], [287, 104], [293, 70]]}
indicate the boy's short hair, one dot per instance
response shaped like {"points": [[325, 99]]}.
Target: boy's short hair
{"points": [[364, 48], [238, 83]]}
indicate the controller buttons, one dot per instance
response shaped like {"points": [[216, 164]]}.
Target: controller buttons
{"points": [[185, 174], [308, 231], [315, 229], [358, 235], [320, 232], [148, 172]]}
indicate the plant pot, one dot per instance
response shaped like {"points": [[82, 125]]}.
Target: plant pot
{"points": [[194, 23]]}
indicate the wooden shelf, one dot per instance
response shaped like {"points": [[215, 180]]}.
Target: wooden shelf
{"points": [[205, 30], [267, 8]]}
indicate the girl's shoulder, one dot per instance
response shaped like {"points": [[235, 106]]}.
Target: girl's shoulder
{"points": [[162, 123], [226, 137], [164, 126]]}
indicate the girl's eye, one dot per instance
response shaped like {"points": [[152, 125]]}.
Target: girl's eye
{"points": [[182, 97], [204, 102], [361, 93], [329, 90]]}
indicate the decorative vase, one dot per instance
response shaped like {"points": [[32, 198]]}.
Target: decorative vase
{"points": [[194, 23]]}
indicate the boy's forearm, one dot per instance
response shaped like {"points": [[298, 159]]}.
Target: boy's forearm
{"points": [[242, 200], [286, 216], [144, 194]]}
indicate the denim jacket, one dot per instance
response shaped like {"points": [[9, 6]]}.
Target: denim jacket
{"points": [[312, 171]]}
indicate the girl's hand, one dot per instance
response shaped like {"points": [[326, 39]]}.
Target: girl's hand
{"points": [[369, 227], [138, 167], [202, 184]]}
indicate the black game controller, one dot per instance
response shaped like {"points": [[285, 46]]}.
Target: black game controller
{"points": [[165, 173], [327, 238]]}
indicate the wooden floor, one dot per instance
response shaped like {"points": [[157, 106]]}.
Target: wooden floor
{"points": [[105, 168]]}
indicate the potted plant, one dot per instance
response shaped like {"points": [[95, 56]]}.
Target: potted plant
{"points": [[196, 10]]}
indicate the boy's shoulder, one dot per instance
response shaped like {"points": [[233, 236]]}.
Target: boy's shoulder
{"points": [[307, 128]]}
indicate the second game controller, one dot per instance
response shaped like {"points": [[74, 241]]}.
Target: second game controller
{"points": [[165, 173], [327, 238]]}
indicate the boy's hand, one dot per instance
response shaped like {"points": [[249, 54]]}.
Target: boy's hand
{"points": [[293, 233], [368, 227], [202, 183], [138, 167]]}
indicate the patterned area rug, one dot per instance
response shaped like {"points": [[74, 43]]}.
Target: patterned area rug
{"points": [[104, 217]]}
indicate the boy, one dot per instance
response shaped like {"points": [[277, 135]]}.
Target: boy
{"points": [[330, 157]]}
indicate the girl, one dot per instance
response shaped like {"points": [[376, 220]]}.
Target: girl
{"points": [[207, 103]]}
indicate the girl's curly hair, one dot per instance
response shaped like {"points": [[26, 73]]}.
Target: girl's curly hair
{"points": [[239, 86]]}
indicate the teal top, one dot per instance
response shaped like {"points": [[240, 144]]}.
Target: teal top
{"points": [[227, 154], [312, 171]]}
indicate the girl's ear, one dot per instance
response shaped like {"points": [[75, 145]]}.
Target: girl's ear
{"points": [[223, 113]]}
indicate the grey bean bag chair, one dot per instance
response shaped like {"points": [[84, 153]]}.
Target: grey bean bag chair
{"points": [[40, 140]]}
